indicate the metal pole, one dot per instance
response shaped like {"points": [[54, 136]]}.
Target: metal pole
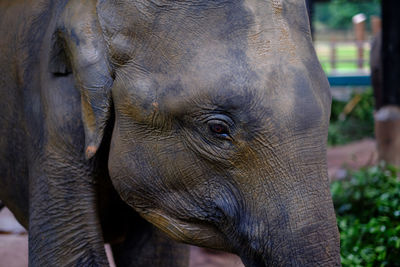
{"points": [[391, 51], [387, 118]]}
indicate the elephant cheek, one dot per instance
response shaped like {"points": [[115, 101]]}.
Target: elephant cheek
{"points": [[126, 171]]}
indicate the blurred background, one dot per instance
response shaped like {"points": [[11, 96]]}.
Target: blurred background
{"points": [[358, 45], [343, 33]]}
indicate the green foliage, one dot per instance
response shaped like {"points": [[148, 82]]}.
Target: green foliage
{"points": [[368, 213], [337, 14], [358, 124]]}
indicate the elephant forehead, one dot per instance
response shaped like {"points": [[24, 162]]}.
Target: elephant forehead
{"points": [[244, 55], [171, 36]]}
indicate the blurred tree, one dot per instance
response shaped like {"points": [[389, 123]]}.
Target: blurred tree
{"points": [[337, 14]]}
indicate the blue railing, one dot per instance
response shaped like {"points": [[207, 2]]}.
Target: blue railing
{"points": [[349, 80]]}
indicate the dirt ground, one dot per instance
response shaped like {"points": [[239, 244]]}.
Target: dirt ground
{"points": [[14, 240], [351, 157]]}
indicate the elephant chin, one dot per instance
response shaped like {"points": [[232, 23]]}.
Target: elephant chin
{"points": [[201, 235]]}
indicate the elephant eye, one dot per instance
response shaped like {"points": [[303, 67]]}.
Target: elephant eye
{"points": [[219, 129]]}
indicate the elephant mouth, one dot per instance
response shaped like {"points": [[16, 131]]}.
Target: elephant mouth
{"points": [[199, 234]]}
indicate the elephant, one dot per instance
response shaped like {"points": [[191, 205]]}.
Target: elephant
{"points": [[153, 124]]}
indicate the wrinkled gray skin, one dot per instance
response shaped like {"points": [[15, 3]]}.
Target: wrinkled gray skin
{"points": [[207, 118]]}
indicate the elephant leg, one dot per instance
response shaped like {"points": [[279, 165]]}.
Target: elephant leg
{"points": [[64, 229], [145, 245]]}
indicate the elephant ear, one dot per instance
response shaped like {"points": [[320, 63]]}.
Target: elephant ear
{"points": [[80, 47]]}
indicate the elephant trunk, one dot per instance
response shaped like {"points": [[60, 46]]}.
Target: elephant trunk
{"points": [[315, 244], [289, 227]]}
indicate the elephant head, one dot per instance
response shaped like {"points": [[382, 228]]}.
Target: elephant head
{"points": [[221, 116]]}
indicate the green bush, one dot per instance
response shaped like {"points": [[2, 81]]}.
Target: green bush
{"points": [[367, 206], [358, 124]]}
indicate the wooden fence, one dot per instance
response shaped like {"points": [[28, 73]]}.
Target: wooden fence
{"points": [[344, 57]]}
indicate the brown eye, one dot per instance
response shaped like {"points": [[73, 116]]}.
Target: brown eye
{"points": [[219, 128]]}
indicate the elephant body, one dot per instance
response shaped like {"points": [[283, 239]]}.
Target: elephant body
{"points": [[134, 122]]}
